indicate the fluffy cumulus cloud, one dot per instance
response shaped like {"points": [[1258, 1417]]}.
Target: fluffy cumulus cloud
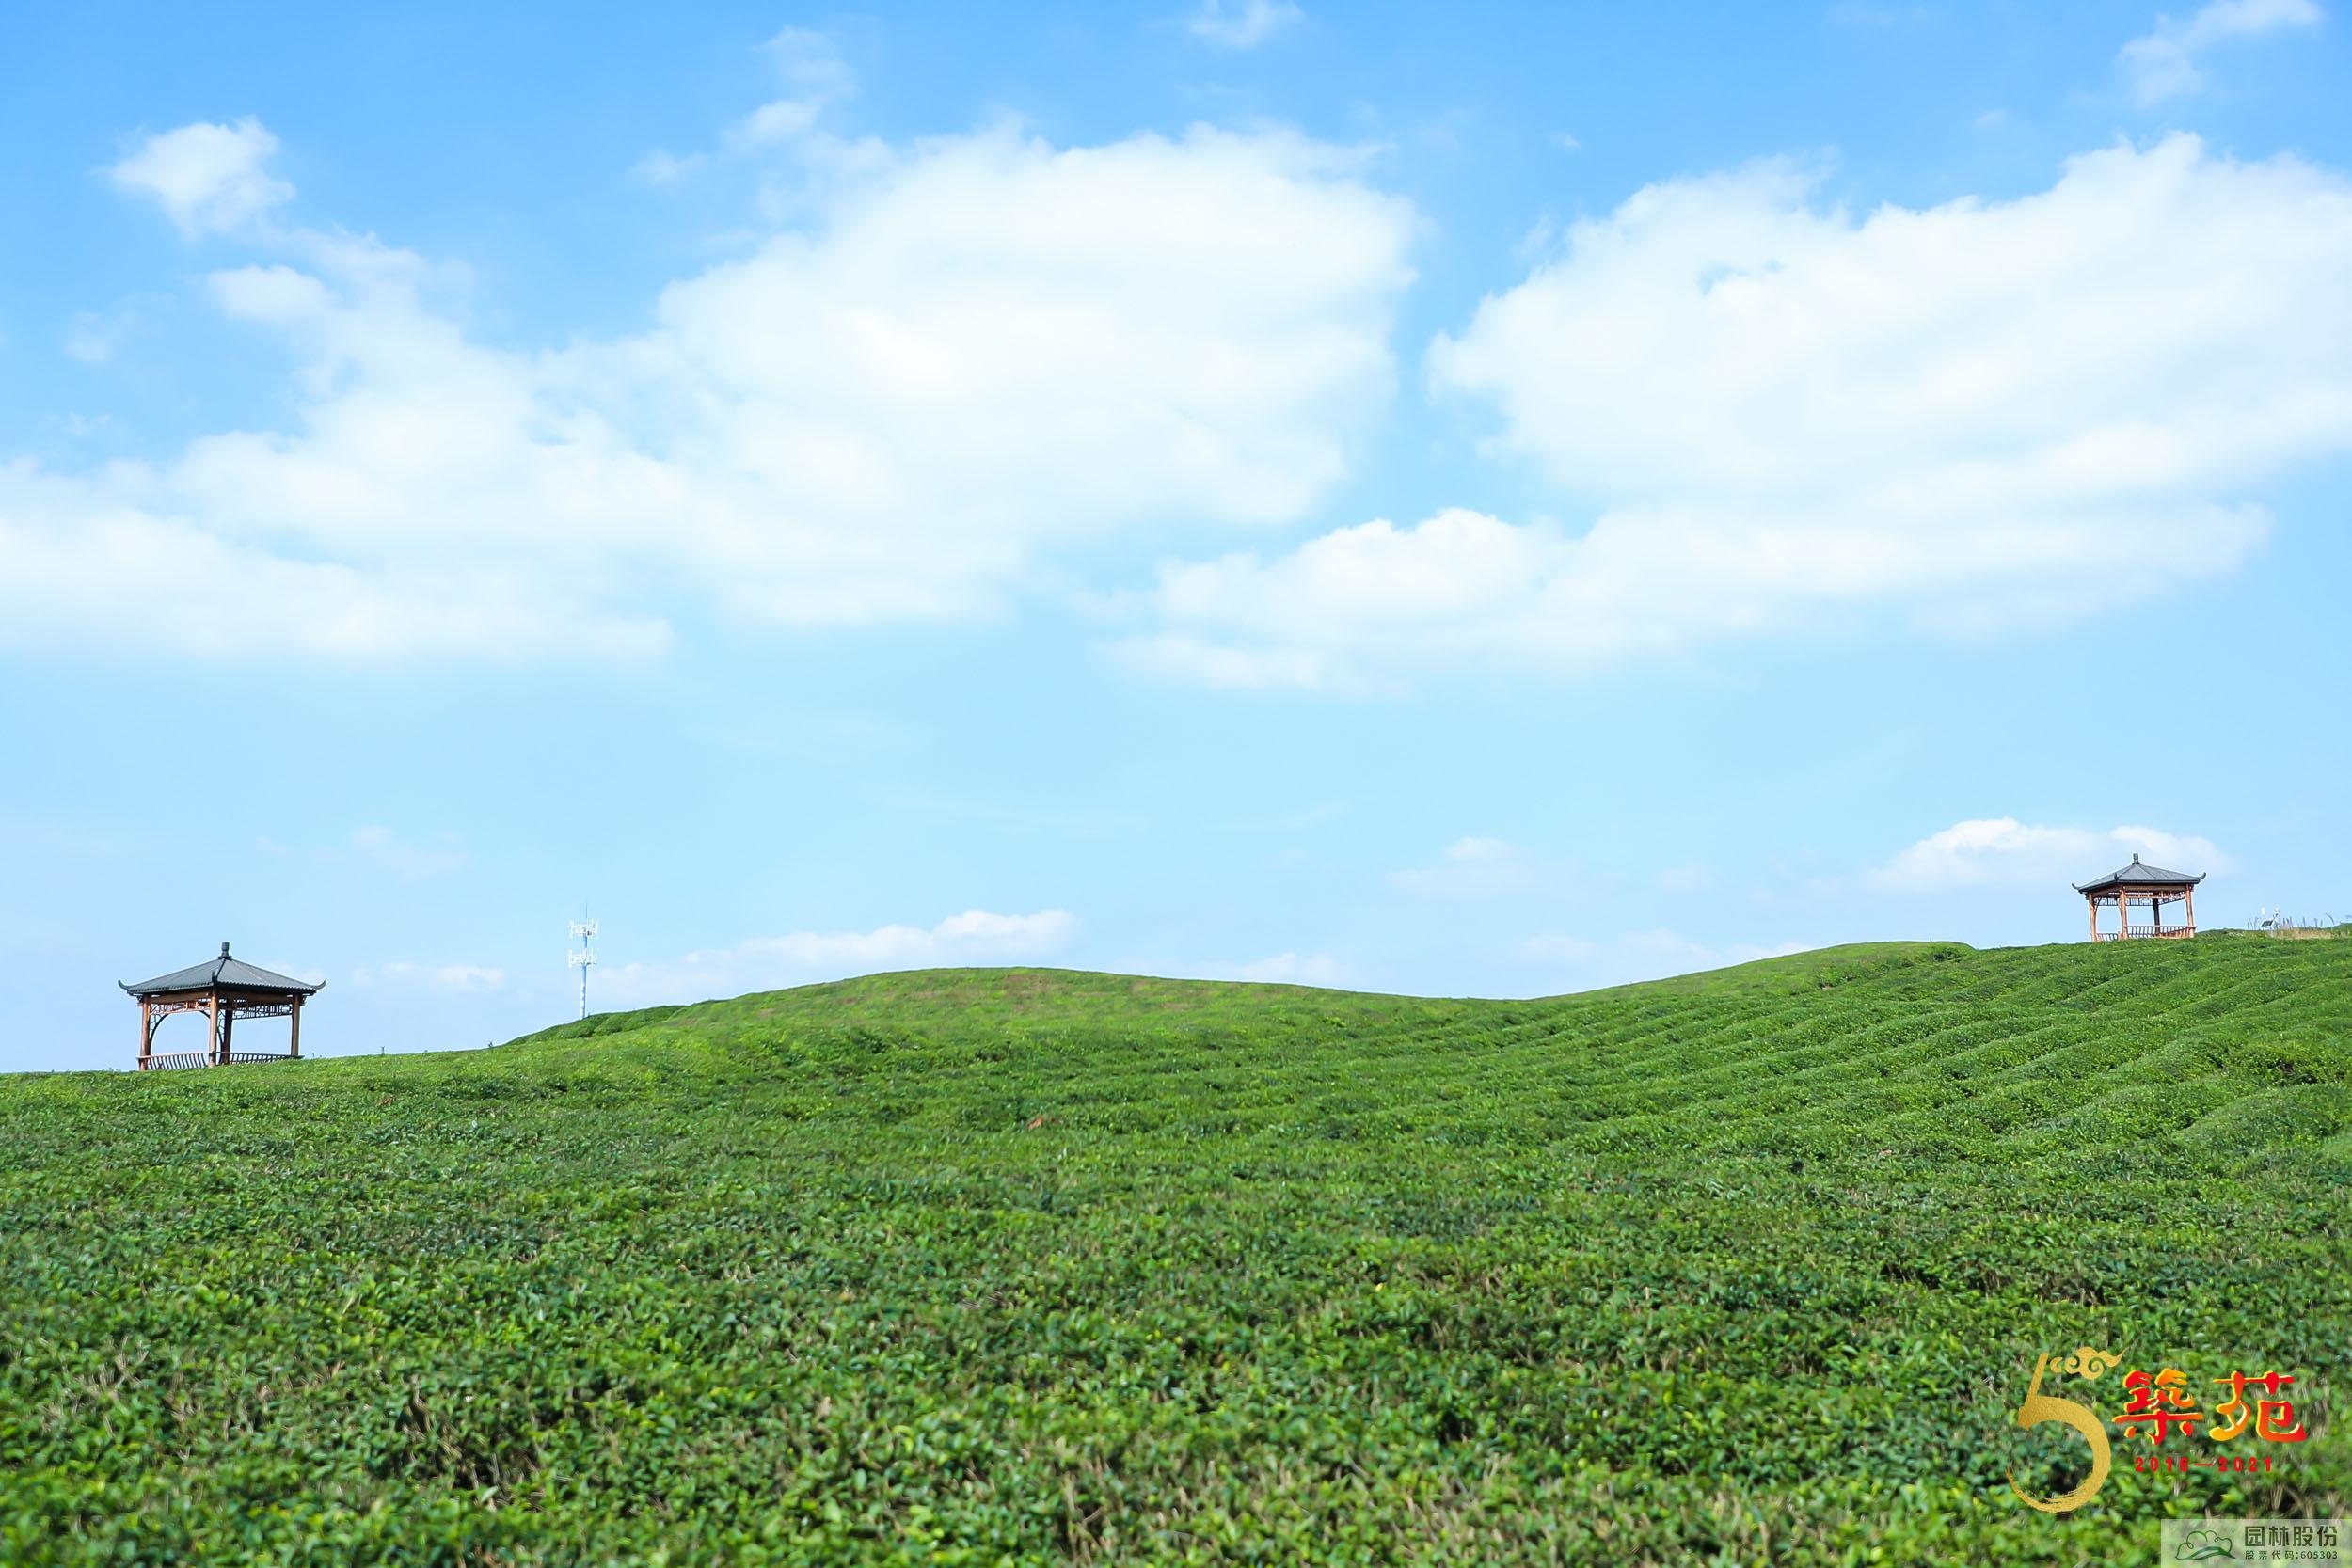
{"points": [[955, 354], [208, 179], [1781, 413], [2162, 63], [2003, 850], [975, 936]]}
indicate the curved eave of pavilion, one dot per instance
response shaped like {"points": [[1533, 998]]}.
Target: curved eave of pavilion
{"points": [[2131, 884], [149, 991], [224, 974]]}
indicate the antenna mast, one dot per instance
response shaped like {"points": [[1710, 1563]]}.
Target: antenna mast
{"points": [[584, 958]]}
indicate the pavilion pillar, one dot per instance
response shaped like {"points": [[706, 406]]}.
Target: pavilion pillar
{"points": [[2188, 899], [212, 1027], [147, 1031], [2091, 900], [294, 1026]]}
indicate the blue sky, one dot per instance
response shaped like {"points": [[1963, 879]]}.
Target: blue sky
{"points": [[1450, 501]]}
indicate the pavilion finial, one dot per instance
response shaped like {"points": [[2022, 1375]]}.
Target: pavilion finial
{"points": [[224, 946]]}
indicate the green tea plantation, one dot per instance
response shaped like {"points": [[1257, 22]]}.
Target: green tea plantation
{"points": [[1022, 1266]]}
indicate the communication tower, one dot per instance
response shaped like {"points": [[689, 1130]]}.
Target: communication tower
{"points": [[584, 958]]}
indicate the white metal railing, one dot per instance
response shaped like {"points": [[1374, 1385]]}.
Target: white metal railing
{"points": [[2137, 930], [166, 1061]]}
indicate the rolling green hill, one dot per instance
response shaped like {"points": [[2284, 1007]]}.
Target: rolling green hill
{"points": [[1026, 1266]]}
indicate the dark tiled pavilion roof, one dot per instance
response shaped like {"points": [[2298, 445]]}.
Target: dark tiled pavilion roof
{"points": [[224, 971], [2138, 875]]}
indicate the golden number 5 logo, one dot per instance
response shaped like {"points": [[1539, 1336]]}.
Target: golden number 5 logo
{"points": [[2039, 1407]]}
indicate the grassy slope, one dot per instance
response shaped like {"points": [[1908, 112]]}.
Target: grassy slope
{"points": [[1021, 1265]]}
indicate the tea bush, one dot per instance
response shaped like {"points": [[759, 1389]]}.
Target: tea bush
{"points": [[1026, 1267]]}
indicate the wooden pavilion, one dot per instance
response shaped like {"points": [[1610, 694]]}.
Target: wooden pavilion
{"points": [[224, 991], [2151, 888]]}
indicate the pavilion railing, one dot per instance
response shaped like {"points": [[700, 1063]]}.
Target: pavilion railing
{"points": [[2140, 929], [169, 1060]]}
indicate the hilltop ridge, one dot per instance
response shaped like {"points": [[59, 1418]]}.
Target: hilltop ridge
{"points": [[1997, 1039]]}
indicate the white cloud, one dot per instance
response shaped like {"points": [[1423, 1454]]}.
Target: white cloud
{"points": [[975, 936], [210, 179], [382, 847], [1558, 949], [1285, 968], [816, 79], [1972, 416], [811, 66], [2003, 850], [966, 350], [1470, 868], [1641, 955], [460, 977], [2162, 63], [87, 562], [659, 167], [93, 337], [1294, 968], [1368, 606], [1242, 24]]}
